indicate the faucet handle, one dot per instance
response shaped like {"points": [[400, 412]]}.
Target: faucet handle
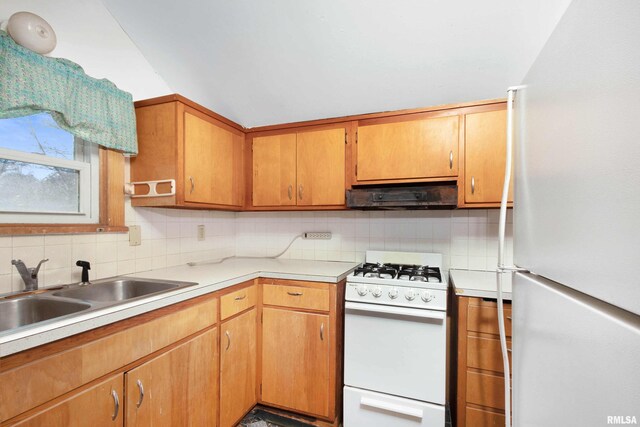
{"points": [[34, 271]]}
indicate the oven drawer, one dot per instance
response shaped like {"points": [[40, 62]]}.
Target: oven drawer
{"points": [[310, 298], [370, 409]]}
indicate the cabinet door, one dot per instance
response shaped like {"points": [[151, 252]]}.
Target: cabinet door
{"points": [[321, 170], [237, 367], [295, 360], [178, 387], [415, 149], [212, 162], [274, 170], [485, 157], [100, 405]]}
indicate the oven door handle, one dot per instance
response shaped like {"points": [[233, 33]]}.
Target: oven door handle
{"points": [[391, 407], [400, 311]]}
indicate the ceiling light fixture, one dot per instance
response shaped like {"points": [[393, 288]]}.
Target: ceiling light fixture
{"points": [[31, 31]]}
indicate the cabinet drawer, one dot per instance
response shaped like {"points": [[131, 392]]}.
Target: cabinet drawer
{"points": [[479, 418], [237, 301], [316, 298], [485, 390], [485, 353], [484, 318]]}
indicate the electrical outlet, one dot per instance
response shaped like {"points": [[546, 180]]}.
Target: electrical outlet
{"points": [[201, 232], [317, 235], [135, 235]]}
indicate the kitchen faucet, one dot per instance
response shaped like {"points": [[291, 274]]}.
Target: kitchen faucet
{"points": [[29, 275]]}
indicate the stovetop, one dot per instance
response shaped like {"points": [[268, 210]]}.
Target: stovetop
{"points": [[410, 272]]}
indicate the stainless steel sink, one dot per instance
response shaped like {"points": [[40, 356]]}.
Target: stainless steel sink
{"points": [[46, 306], [22, 311], [117, 290]]}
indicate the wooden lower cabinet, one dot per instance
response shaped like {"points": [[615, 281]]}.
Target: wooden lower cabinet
{"points": [[238, 354], [95, 406], [177, 387], [295, 360], [480, 372]]}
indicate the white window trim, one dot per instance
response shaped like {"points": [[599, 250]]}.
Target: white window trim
{"points": [[89, 189]]}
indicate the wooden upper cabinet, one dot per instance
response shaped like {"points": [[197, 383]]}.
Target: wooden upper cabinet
{"points": [[321, 171], [413, 150], [201, 151], [212, 161], [178, 387], [274, 170], [485, 158], [295, 360], [238, 356], [305, 169]]}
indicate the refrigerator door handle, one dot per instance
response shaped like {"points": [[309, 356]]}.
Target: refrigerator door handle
{"points": [[501, 267]]}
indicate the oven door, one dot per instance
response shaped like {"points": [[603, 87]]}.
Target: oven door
{"points": [[396, 350]]}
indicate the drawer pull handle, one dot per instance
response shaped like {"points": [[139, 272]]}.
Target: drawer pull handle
{"points": [[300, 190], [473, 185], [141, 390], [392, 407], [295, 294], [116, 403], [451, 159], [240, 298], [508, 317], [322, 332], [290, 191], [228, 340], [509, 350], [193, 185]]}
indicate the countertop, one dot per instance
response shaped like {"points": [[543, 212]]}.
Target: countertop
{"points": [[473, 283], [209, 278]]}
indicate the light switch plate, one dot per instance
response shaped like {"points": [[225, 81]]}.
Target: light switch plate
{"points": [[135, 235], [201, 232]]}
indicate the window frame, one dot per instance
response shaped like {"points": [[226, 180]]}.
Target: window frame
{"points": [[88, 193], [111, 205]]}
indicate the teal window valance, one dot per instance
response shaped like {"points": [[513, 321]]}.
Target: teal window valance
{"points": [[92, 109]]}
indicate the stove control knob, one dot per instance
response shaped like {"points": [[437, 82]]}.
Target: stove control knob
{"points": [[393, 293], [426, 296], [377, 292], [410, 294], [362, 290]]}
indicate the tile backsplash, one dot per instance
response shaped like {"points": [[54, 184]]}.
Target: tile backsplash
{"points": [[466, 238]]}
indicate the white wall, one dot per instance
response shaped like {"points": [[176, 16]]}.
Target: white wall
{"points": [[88, 34]]}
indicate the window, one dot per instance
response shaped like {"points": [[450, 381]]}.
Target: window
{"points": [[47, 175]]}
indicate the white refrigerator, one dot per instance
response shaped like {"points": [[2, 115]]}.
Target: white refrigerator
{"points": [[576, 316]]}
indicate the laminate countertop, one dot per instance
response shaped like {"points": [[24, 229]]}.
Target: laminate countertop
{"points": [[482, 284], [208, 278]]}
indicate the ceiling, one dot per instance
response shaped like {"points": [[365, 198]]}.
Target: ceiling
{"points": [[267, 62]]}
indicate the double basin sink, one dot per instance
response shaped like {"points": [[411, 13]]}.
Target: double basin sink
{"points": [[67, 301]]}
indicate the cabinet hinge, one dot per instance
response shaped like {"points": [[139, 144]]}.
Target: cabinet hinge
{"points": [[356, 136]]}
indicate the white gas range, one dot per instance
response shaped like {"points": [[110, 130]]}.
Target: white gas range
{"points": [[395, 341]]}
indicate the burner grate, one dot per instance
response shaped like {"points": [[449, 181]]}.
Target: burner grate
{"points": [[422, 273]]}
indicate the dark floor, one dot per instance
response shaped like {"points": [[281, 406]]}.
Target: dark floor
{"points": [[261, 418]]}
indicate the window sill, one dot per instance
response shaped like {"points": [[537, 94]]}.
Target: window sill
{"points": [[30, 229]]}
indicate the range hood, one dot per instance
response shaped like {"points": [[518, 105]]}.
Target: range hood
{"points": [[423, 196]]}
